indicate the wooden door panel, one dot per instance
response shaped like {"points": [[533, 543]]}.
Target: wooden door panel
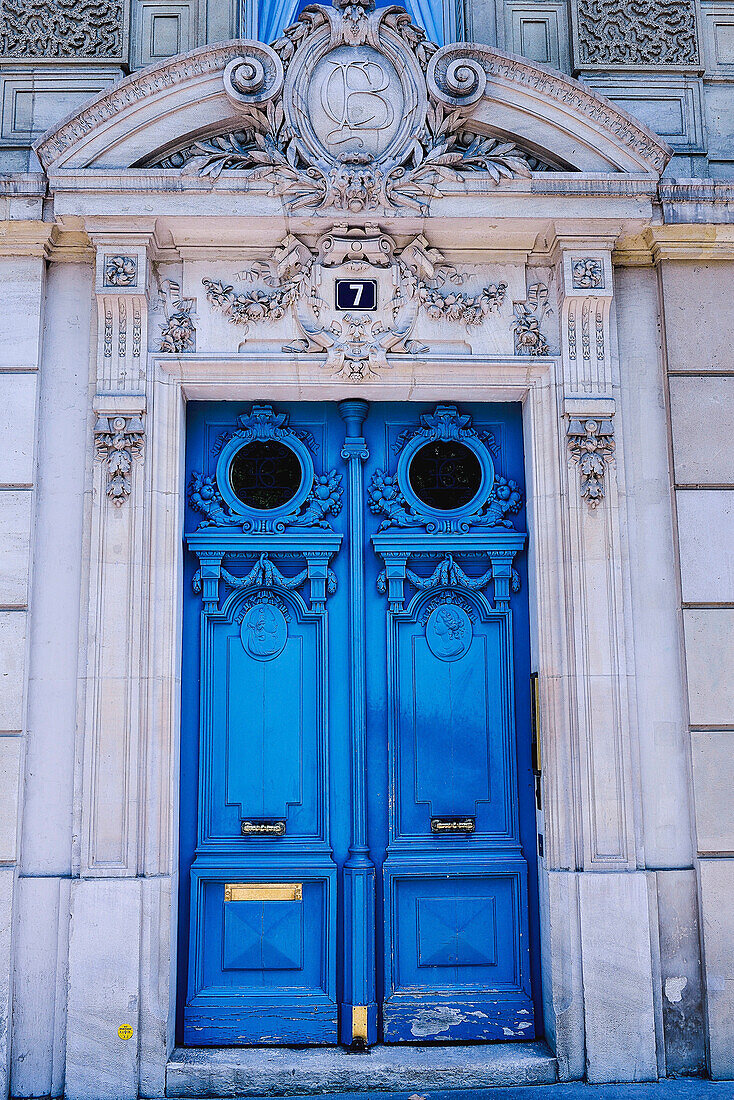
{"points": [[262, 957], [457, 959], [451, 737], [261, 971]]}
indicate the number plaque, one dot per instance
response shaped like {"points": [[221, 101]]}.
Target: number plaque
{"points": [[356, 293]]}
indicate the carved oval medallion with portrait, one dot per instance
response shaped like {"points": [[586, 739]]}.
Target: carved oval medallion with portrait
{"points": [[449, 632], [355, 102], [264, 631]]}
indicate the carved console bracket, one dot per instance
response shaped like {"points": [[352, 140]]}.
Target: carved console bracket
{"points": [[587, 289], [119, 434], [122, 314]]}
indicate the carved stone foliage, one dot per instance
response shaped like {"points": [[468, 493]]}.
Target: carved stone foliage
{"points": [[61, 28], [319, 496], [118, 442], [299, 281], [636, 32], [390, 496], [358, 127], [591, 445], [529, 340], [178, 334]]}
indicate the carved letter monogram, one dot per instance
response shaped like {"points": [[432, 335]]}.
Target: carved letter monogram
{"points": [[356, 102]]}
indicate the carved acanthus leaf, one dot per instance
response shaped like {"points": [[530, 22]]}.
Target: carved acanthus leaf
{"points": [[118, 441]]}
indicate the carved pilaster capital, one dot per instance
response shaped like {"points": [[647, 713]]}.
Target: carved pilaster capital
{"points": [[122, 276], [586, 289], [119, 434]]}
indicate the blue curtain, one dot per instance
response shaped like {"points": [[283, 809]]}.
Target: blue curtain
{"points": [[274, 15]]}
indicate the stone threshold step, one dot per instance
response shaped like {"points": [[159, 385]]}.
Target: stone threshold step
{"points": [[267, 1071]]}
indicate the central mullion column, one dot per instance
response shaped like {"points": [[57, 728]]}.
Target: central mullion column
{"points": [[359, 1010]]}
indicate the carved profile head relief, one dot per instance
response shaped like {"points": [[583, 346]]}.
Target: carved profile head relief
{"points": [[449, 632], [264, 631]]}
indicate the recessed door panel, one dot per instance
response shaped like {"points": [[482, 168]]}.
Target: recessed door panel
{"points": [[451, 741]]}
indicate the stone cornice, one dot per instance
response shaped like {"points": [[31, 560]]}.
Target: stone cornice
{"points": [[133, 89], [26, 238], [701, 242], [573, 95]]}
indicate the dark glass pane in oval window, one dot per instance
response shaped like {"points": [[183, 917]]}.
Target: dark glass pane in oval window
{"points": [[445, 475], [265, 474]]}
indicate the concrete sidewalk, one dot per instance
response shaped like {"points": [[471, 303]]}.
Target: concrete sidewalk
{"points": [[683, 1089]]}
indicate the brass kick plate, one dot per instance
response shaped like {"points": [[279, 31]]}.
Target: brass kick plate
{"points": [[359, 1023], [263, 891]]}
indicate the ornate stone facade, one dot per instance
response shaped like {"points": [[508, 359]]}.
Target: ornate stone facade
{"points": [[62, 28], [181, 243], [658, 33]]}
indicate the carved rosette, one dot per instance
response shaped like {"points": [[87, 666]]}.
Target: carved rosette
{"points": [[591, 445], [118, 441]]}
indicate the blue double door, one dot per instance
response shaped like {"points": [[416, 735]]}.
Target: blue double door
{"points": [[357, 806]]}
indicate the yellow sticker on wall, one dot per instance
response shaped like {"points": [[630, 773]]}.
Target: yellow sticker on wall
{"points": [[125, 1031]]}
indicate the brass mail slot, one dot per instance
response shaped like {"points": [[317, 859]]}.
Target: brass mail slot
{"points": [[262, 828], [263, 891], [452, 824]]}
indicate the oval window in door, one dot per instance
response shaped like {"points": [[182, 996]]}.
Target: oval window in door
{"points": [[445, 475], [265, 474]]}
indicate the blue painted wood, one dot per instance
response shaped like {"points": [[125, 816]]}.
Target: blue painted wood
{"points": [[359, 870], [355, 667]]}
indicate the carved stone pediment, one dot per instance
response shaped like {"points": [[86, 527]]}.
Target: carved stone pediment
{"points": [[352, 109], [341, 113]]}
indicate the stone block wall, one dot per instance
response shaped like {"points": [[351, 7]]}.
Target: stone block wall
{"points": [[701, 396], [22, 275]]}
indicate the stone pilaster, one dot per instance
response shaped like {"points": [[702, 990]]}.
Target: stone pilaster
{"points": [[614, 914], [104, 953]]}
